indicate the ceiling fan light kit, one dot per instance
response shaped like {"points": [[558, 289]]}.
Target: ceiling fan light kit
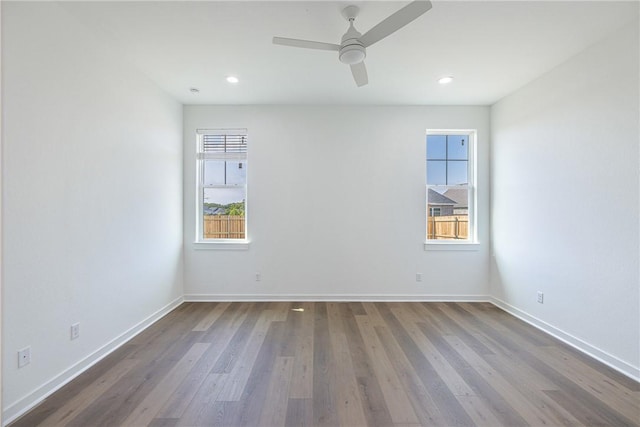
{"points": [[352, 48], [352, 54]]}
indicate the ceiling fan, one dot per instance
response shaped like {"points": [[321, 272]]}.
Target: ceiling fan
{"points": [[353, 47]]}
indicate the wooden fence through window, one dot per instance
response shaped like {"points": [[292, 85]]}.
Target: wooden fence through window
{"points": [[438, 227], [223, 227], [447, 227]]}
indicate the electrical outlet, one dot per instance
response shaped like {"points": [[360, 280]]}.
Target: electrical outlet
{"points": [[24, 357], [418, 277], [258, 277], [540, 297], [75, 331]]}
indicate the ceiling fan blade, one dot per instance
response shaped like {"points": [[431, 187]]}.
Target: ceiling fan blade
{"points": [[396, 21], [359, 72], [305, 43]]}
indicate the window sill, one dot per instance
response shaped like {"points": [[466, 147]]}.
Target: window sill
{"points": [[222, 245], [444, 245]]}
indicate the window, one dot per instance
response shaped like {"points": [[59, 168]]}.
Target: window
{"points": [[451, 186], [222, 185]]}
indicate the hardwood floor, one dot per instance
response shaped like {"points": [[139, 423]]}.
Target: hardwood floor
{"points": [[343, 364]]}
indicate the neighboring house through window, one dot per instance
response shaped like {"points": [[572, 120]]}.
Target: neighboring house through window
{"points": [[451, 185], [222, 185]]}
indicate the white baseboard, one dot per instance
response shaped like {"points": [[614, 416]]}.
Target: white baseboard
{"points": [[333, 297], [29, 401], [584, 347]]}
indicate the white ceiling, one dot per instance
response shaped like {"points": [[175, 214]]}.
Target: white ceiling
{"points": [[491, 48]]}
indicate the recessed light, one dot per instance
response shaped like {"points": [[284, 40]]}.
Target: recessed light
{"points": [[445, 80], [194, 90], [232, 79]]}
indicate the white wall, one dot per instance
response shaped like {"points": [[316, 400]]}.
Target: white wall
{"points": [[92, 199], [336, 205], [1, 173], [565, 201]]}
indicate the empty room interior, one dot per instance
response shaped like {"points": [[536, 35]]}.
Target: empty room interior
{"points": [[260, 213]]}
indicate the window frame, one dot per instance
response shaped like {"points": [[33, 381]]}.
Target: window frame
{"points": [[218, 243], [471, 243], [432, 210]]}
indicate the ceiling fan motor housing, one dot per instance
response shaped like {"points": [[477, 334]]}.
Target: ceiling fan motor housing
{"points": [[352, 51]]}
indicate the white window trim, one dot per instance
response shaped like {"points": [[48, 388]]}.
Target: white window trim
{"points": [[200, 243], [451, 245], [222, 244], [471, 244]]}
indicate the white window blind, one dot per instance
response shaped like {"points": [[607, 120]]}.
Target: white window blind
{"points": [[222, 144]]}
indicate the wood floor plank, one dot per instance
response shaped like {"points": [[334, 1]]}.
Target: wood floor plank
{"points": [[481, 387], [427, 313], [178, 402], [449, 316], [510, 325], [357, 308], [299, 413], [275, 413], [61, 398], [478, 410], [373, 402], [347, 399], [239, 375], [529, 384], [234, 349], [159, 340], [618, 397], [453, 414], [324, 409], [302, 375], [203, 400], [588, 416], [223, 414], [449, 375], [524, 347], [515, 370], [342, 364], [164, 422], [80, 401], [150, 406], [255, 392], [394, 394], [130, 390], [476, 407], [212, 316], [372, 314], [279, 310], [532, 412], [293, 330], [236, 312], [423, 404]]}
